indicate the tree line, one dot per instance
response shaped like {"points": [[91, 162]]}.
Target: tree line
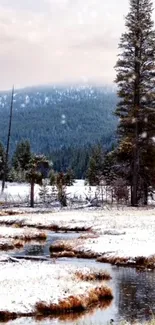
{"points": [[131, 163]]}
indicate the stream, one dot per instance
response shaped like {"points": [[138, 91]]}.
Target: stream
{"points": [[134, 291]]}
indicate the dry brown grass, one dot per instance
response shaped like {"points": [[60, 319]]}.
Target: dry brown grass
{"points": [[71, 308], [75, 303], [60, 246], [18, 244], [53, 227], [9, 213], [6, 246], [30, 236], [88, 236], [6, 316], [73, 253], [74, 316], [145, 262], [11, 246], [86, 255], [139, 262], [93, 276], [112, 260], [65, 249], [63, 254]]}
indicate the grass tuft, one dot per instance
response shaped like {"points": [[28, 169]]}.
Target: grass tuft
{"points": [[93, 276], [75, 303], [28, 237], [65, 249], [63, 254], [139, 262], [61, 246], [6, 316]]}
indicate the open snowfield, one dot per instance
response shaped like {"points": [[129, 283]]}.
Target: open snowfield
{"points": [[21, 233], [20, 192], [67, 219], [126, 232], [25, 283]]}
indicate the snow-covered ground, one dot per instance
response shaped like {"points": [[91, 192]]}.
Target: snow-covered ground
{"points": [[20, 233], [8, 244], [20, 192], [126, 232], [121, 232], [25, 283], [67, 219]]}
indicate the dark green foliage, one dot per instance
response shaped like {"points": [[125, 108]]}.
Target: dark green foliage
{"points": [[73, 158], [103, 167], [60, 118], [110, 169], [22, 156], [61, 188], [66, 179], [69, 177], [44, 192], [20, 162], [35, 173], [60, 181], [136, 107], [95, 167], [52, 177]]}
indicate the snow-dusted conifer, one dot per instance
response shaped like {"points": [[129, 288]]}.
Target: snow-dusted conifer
{"points": [[136, 90]]}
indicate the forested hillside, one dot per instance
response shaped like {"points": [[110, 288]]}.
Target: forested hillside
{"points": [[52, 118]]}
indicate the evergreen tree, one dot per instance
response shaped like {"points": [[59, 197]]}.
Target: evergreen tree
{"points": [[61, 188], [37, 171], [136, 109], [95, 166], [22, 155], [44, 192], [110, 172], [69, 177]]}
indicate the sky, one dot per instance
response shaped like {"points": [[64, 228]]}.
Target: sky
{"points": [[59, 41]]}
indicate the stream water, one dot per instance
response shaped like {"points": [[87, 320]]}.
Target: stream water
{"points": [[134, 291]]}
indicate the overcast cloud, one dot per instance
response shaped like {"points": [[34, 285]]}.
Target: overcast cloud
{"points": [[59, 41]]}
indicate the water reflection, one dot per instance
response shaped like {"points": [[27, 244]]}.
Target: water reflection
{"points": [[134, 291], [135, 294], [42, 248]]}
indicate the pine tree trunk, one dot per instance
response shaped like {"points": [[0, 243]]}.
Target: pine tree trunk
{"points": [[145, 194], [32, 195], [134, 197], [8, 143], [137, 55]]}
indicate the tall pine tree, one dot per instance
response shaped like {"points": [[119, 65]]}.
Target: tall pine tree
{"points": [[135, 70]]}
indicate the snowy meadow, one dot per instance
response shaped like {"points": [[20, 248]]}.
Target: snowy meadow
{"points": [[40, 287]]}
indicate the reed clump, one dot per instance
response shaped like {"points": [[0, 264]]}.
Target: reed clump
{"points": [[5, 316], [30, 236], [93, 276], [75, 303], [61, 246], [139, 262], [69, 254], [113, 260], [65, 249]]}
